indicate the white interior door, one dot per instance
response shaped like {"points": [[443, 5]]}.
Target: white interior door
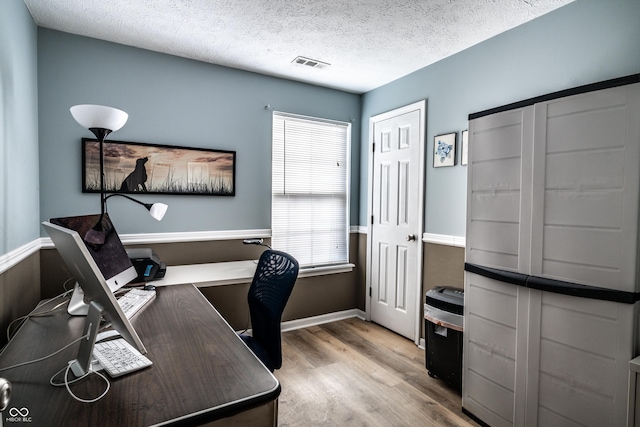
{"points": [[395, 232]]}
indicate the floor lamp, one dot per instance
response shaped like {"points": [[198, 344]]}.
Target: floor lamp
{"points": [[101, 121]]}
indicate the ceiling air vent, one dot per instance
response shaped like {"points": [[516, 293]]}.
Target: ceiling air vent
{"points": [[308, 62]]}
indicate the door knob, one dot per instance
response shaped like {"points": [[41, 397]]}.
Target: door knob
{"points": [[411, 238]]}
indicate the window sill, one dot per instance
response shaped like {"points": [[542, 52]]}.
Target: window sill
{"points": [[324, 270]]}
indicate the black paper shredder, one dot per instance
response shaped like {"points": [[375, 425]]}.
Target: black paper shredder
{"points": [[443, 324]]}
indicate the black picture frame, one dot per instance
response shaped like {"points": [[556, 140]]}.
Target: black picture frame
{"points": [[142, 168], [444, 150]]}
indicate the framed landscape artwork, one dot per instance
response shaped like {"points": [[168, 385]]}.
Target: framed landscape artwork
{"points": [[135, 168]]}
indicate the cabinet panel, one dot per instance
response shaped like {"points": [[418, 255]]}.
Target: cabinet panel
{"points": [[496, 208], [583, 274], [587, 249], [497, 175], [563, 402], [489, 251], [489, 366], [580, 170], [585, 188], [585, 348], [588, 208], [576, 366], [576, 123], [486, 295], [498, 136], [582, 130], [492, 367], [493, 404], [576, 334], [499, 339]]}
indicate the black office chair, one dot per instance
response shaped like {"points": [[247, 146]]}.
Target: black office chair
{"points": [[268, 294]]}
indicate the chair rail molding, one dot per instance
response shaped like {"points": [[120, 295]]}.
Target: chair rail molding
{"points": [[440, 239], [18, 255], [179, 237], [443, 239]]}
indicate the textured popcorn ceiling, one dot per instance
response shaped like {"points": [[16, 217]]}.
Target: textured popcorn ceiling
{"points": [[367, 42]]}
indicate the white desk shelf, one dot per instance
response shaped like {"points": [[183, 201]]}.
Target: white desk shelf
{"points": [[213, 274], [229, 273]]}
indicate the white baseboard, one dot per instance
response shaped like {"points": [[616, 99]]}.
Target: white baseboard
{"points": [[292, 325], [321, 319]]}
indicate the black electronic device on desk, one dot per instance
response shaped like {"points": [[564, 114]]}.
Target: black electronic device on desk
{"points": [[147, 264]]}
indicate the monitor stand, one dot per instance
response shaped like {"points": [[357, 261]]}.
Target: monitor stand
{"points": [[77, 306], [81, 365]]}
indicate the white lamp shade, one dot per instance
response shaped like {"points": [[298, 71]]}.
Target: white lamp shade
{"points": [[158, 210], [99, 116]]}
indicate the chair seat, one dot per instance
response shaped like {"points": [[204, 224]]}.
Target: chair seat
{"points": [[258, 350]]}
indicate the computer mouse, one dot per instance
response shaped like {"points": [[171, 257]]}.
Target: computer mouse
{"points": [[149, 288]]}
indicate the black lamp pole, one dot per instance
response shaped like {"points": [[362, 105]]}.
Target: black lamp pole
{"points": [[96, 235]]}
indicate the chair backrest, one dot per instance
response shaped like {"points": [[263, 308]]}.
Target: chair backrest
{"points": [[269, 292]]}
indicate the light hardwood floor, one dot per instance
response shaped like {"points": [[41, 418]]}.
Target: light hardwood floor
{"points": [[356, 373]]}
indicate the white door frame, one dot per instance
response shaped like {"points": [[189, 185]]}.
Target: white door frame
{"points": [[422, 106]]}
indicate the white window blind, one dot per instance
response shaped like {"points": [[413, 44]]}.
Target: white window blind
{"points": [[310, 189]]}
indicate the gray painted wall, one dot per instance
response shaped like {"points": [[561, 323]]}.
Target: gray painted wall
{"points": [[174, 101], [584, 42], [19, 208]]}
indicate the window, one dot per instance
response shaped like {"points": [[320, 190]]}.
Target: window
{"points": [[310, 189]]}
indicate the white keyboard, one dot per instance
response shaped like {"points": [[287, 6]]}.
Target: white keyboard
{"points": [[118, 357], [134, 300]]}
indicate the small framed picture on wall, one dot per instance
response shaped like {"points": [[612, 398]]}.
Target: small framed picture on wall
{"points": [[464, 154], [444, 150]]}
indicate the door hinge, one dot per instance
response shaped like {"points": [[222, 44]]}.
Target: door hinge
{"points": [[372, 219], [373, 147], [370, 291]]}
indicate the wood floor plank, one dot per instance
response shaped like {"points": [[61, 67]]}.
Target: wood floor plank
{"points": [[403, 356], [356, 373]]}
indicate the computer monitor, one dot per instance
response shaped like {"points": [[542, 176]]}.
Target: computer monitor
{"points": [[111, 257], [83, 266]]}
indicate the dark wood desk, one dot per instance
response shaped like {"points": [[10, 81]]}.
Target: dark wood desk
{"points": [[201, 371]]}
